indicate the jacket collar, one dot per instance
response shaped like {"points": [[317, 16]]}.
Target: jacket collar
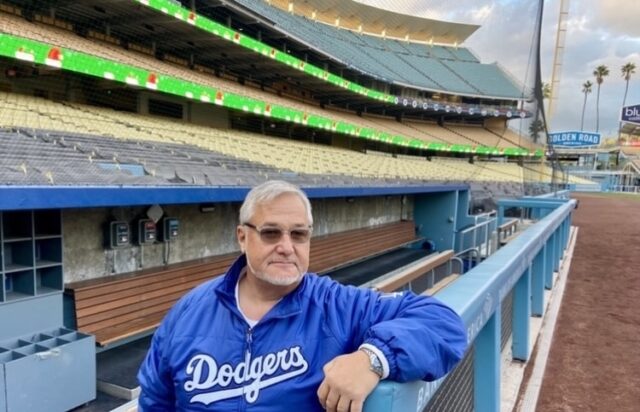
{"points": [[289, 305]]}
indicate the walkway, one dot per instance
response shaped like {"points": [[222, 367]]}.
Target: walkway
{"points": [[594, 363]]}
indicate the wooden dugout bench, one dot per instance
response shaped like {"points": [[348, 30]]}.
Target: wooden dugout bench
{"points": [[403, 277], [121, 308], [507, 231]]}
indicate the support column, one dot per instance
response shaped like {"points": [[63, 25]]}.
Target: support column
{"points": [[521, 316], [487, 366], [538, 282], [565, 235], [548, 276], [558, 249]]}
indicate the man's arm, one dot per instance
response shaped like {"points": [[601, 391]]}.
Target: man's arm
{"points": [[416, 337], [420, 337]]}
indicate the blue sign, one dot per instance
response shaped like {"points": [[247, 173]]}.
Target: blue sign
{"points": [[574, 139], [631, 114]]}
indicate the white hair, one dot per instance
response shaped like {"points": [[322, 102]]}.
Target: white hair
{"points": [[268, 191]]}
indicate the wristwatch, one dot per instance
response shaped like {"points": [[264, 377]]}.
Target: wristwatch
{"points": [[375, 365]]}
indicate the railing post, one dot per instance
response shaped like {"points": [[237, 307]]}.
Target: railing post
{"points": [[475, 237], [558, 250], [521, 316], [561, 240], [487, 245], [548, 279], [535, 213], [487, 366], [565, 236], [537, 282]]}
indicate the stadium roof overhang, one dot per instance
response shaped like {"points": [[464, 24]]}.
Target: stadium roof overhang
{"points": [[376, 20], [631, 129], [64, 197]]}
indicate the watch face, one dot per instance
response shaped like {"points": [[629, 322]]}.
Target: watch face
{"points": [[374, 362]]}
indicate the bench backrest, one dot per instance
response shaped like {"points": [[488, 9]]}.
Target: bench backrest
{"points": [[413, 272], [335, 250]]}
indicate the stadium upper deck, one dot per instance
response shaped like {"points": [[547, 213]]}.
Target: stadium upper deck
{"points": [[362, 17], [242, 40], [347, 123], [433, 68]]}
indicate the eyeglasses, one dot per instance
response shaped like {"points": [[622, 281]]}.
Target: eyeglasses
{"points": [[273, 234]]}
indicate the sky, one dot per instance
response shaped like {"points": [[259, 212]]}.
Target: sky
{"points": [[598, 32]]}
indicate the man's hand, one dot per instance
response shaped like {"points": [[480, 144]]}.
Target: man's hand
{"points": [[347, 383]]}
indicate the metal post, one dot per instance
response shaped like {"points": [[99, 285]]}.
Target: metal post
{"points": [[560, 241], [487, 366], [535, 213], [475, 237], [521, 315], [565, 236], [558, 251], [538, 282], [487, 250], [548, 280]]}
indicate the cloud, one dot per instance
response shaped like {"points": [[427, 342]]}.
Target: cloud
{"points": [[617, 16]]}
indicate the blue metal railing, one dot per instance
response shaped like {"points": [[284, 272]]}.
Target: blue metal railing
{"points": [[476, 240], [525, 266]]}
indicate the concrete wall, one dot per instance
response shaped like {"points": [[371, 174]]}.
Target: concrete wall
{"points": [[336, 215], [202, 234]]}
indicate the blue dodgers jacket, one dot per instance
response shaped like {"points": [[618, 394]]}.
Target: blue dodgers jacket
{"points": [[204, 356]]}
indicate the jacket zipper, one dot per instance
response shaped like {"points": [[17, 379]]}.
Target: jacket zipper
{"points": [[249, 340]]}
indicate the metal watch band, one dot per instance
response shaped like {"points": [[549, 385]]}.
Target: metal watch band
{"points": [[375, 365]]}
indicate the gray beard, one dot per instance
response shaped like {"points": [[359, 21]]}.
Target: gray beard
{"points": [[288, 281]]}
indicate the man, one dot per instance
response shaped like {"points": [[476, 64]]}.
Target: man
{"points": [[268, 336]]}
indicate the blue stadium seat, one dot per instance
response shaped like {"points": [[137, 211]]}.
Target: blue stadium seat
{"points": [[436, 67]]}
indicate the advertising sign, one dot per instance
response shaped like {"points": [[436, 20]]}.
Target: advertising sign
{"points": [[574, 139], [631, 114]]}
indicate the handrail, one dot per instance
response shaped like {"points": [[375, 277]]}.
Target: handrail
{"points": [[472, 251], [525, 266], [487, 225]]}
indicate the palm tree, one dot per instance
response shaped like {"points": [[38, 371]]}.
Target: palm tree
{"points": [[600, 72], [546, 90], [586, 89], [546, 94], [535, 128], [627, 70]]}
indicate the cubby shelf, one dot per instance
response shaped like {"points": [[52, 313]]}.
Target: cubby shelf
{"points": [[30, 254], [43, 366]]}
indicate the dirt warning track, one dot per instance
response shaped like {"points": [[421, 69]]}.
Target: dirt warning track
{"points": [[594, 362]]}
